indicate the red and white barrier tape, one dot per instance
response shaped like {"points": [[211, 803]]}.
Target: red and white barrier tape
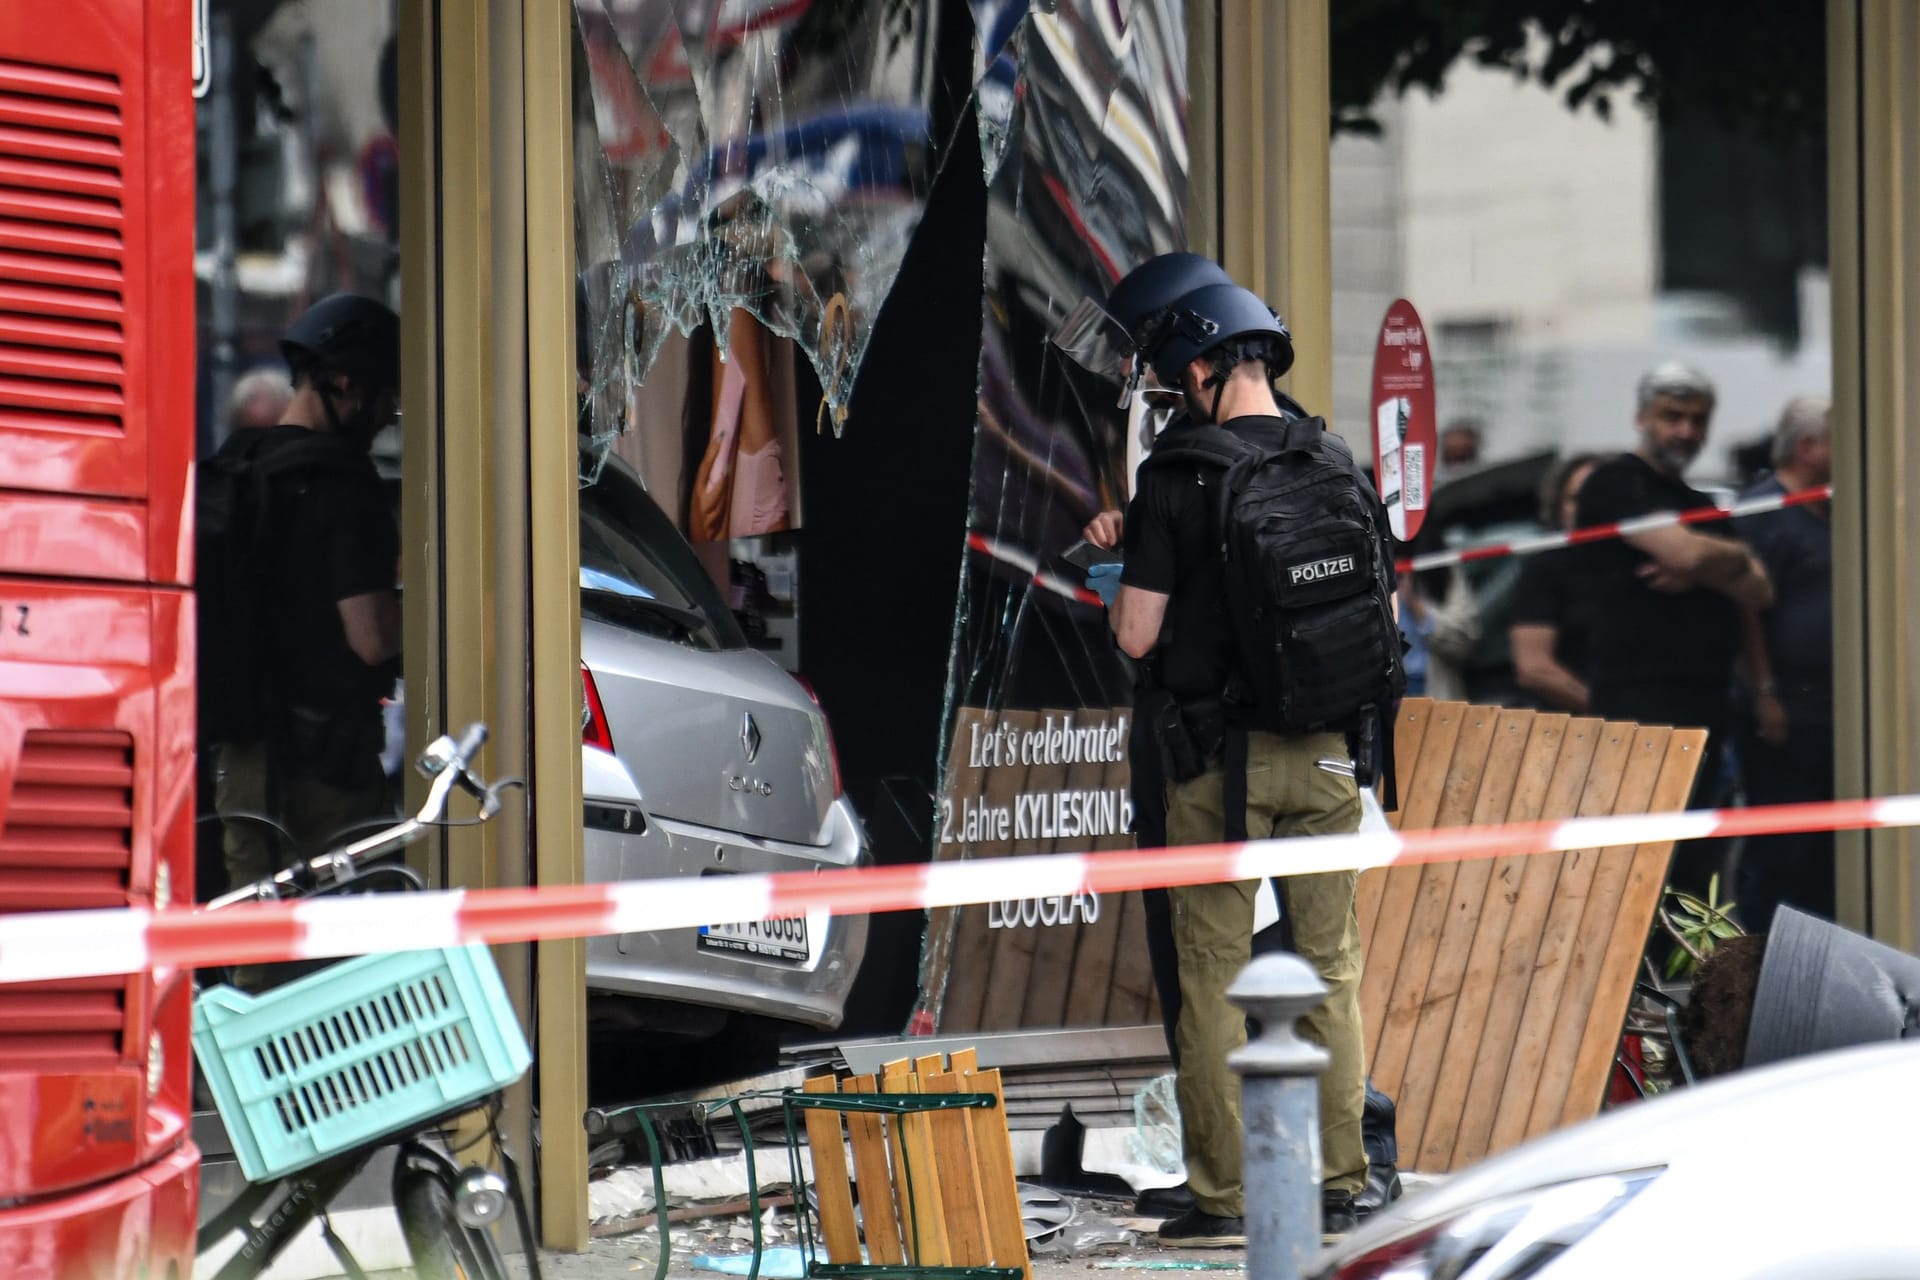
{"points": [[1030, 565], [1605, 532], [79, 944]]}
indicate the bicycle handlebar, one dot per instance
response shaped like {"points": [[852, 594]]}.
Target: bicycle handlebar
{"points": [[447, 762]]}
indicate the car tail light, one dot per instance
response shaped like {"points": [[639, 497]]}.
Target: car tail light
{"points": [[593, 717], [833, 751]]}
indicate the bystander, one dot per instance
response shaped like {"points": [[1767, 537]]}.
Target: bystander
{"points": [[1786, 739], [1552, 603], [1667, 602]]}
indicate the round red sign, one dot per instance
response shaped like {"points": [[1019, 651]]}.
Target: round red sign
{"points": [[1403, 424]]}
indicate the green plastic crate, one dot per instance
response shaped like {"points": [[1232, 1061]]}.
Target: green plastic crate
{"points": [[364, 1048]]}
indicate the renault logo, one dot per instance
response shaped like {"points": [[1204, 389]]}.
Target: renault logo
{"points": [[749, 737]]}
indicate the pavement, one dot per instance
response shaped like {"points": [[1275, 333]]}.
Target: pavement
{"points": [[621, 1259]]}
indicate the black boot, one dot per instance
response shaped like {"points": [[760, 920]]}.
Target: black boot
{"points": [[1337, 1216], [1164, 1202], [1196, 1230]]}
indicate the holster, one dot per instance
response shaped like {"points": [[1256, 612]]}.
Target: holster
{"points": [[342, 751], [1188, 736]]}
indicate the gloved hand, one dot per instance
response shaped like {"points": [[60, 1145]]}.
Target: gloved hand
{"points": [[1104, 581]]}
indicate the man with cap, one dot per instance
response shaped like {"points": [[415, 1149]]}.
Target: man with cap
{"points": [[1670, 604], [296, 728]]}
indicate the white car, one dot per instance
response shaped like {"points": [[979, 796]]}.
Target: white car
{"points": [[1798, 1170]]}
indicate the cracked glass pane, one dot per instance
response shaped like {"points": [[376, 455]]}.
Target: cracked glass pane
{"points": [[1081, 115], [743, 159]]}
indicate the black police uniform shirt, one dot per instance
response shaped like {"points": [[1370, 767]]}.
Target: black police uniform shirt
{"points": [[1172, 547], [335, 539], [1796, 546], [1656, 657]]}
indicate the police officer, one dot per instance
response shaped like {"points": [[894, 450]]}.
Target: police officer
{"points": [[1223, 350], [322, 629], [1140, 295]]}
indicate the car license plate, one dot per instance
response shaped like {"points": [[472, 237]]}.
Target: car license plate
{"points": [[769, 939]]}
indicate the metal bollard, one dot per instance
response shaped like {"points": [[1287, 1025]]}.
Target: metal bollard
{"points": [[1280, 1115]]}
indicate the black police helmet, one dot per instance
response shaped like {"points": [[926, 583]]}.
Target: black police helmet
{"points": [[1207, 319], [346, 333], [1156, 282]]}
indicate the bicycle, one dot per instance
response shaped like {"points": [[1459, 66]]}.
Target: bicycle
{"points": [[316, 1077]]}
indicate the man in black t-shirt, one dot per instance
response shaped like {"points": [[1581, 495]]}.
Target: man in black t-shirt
{"points": [[326, 624], [1223, 347], [1667, 603]]}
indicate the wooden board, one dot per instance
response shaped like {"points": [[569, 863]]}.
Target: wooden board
{"points": [[1093, 959], [1051, 974], [1421, 787], [974, 950], [1408, 985], [957, 1168], [945, 924], [1619, 968], [879, 1208], [1592, 927], [1409, 730], [1495, 988], [1056, 781], [916, 1183], [993, 1150], [1132, 969], [837, 1225], [1437, 1001], [1506, 1000], [1554, 953]]}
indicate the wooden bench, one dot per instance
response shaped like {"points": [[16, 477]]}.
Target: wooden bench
{"points": [[1495, 989]]}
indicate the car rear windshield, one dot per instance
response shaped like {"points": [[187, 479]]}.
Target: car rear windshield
{"points": [[636, 571]]}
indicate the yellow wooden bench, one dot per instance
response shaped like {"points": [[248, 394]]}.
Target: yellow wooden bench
{"points": [[1495, 989], [936, 1189]]}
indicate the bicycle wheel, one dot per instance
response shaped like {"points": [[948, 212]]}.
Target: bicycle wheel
{"points": [[442, 1247]]}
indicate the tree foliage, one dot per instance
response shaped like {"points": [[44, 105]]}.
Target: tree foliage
{"points": [[1754, 68]]}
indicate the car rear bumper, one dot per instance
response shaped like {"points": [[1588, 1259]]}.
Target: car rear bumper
{"points": [[675, 965]]}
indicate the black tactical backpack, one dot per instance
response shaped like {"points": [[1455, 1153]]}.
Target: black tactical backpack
{"points": [[235, 537], [1309, 587]]}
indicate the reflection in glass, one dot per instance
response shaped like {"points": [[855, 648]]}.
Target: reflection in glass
{"points": [[746, 161], [298, 173]]}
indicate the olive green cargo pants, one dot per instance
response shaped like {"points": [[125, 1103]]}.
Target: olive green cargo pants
{"points": [[1288, 794]]}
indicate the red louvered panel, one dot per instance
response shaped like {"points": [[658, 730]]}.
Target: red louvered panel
{"points": [[67, 838], [66, 86], [49, 144], [62, 1024], [97, 183], [68, 272], [29, 302], [37, 236], [70, 145]]}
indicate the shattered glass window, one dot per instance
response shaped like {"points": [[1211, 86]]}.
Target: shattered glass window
{"points": [[1081, 113], [749, 177], [748, 159]]}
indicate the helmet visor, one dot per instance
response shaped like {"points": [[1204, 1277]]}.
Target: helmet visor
{"points": [[1096, 341], [1100, 344]]}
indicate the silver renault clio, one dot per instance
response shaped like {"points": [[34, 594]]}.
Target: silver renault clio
{"points": [[702, 757]]}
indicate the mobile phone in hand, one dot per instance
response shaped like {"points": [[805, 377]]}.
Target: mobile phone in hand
{"points": [[1083, 555]]}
